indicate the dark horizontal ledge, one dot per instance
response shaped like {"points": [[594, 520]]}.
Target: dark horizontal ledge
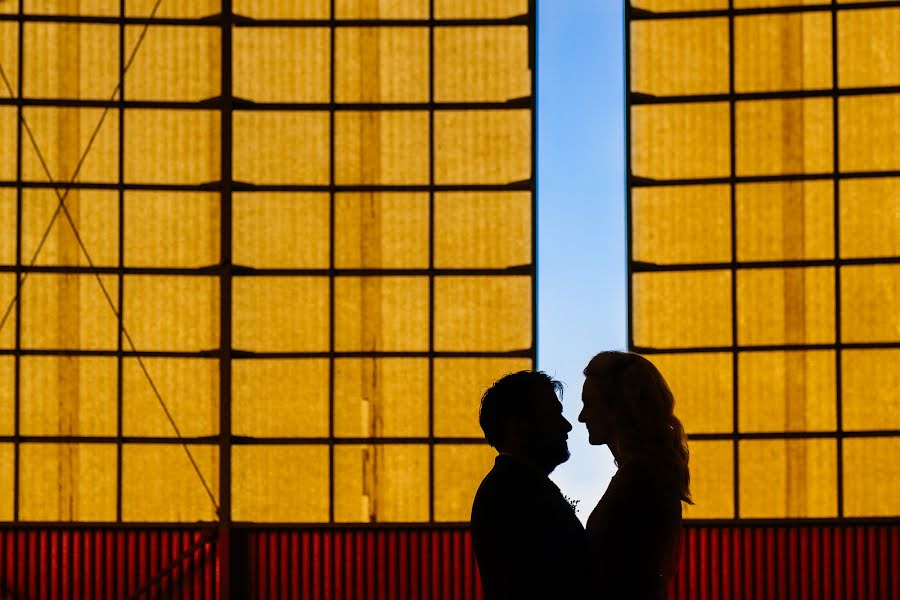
{"points": [[639, 14], [768, 348], [526, 185], [211, 527], [790, 522], [242, 105], [244, 271], [637, 98], [237, 20], [646, 267], [793, 435], [639, 181], [245, 354], [215, 440]]}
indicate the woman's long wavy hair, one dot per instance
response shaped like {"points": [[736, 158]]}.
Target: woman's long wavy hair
{"points": [[642, 407]]}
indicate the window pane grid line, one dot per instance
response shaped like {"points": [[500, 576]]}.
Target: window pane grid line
{"points": [[120, 270], [836, 223], [332, 263], [640, 182], [17, 366], [240, 21], [638, 14], [431, 148], [732, 198], [769, 347], [644, 267], [640, 98]]}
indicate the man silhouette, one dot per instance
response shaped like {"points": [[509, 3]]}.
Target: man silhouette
{"points": [[528, 541]]}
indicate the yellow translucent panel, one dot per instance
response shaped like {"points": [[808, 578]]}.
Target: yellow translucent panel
{"points": [[702, 386], [7, 395], [171, 229], [189, 388], [381, 9], [386, 147], [67, 7], [458, 471], [8, 128], [482, 313], [280, 398], [472, 9], [788, 478], [171, 146], [62, 135], [679, 56], [785, 220], [782, 52], [678, 5], [69, 60], [787, 391], [280, 147], [481, 63], [870, 303], [67, 395], [274, 64], [194, 8], [868, 46], [286, 484], [7, 293], [871, 477], [8, 226], [286, 230], [869, 383], [159, 484], [869, 130], [282, 9], [482, 146], [9, 53], [685, 224], [381, 313], [459, 384], [712, 480], [280, 313], [173, 63], [672, 141], [68, 311], [388, 64], [381, 483], [381, 397], [803, 143], [467, 225], [67, 482], [679, 310], [172, 312], [870, 217], [762, 3], [381, 230], [95, 214], [785, 306], [7, 481]]}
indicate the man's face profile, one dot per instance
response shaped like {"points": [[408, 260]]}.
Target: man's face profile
{"points": [[548, 431]]}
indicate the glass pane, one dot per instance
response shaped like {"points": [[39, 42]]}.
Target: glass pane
{"points": [[381, 230], [7, 479], [477, 9], [281, 484], [280, 398], [386, 147], [673, 141], [870, 380], [381, 313], [459, 384], [9, 51], [170, 146], [785, 220], [870, 217], [764, 3], [188, 387], [7, 396], [65, 7], [870, 303], [388, 64], [67, 482], [174, 63], [67, 395], [702, 386], [194, 8], [7, 295], [482, 230], [70, 60], [458, 471], [160, 485], [171, 229], [482, 313], [684, 224], [8, 129], [275, 64], [8, 227], [679, 5], [868, 51], [681, 310], [869, 130], [712, 480], [383, 483], [172, 313], [381, 397], [785, 306], [62, 135], [271, 314], [482, 146], [782, 52], [381, 9], [679, 56], [481, 64], [787, 391], [799, 478], [282, 9], [803, 143], [871, 477], [281, 147], [280, 230]]}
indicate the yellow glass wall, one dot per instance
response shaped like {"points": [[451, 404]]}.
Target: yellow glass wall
{"points": [[266, 261], [764, 211]]}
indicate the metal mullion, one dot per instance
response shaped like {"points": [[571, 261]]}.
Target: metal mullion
{"points": [[296, 354], [380, 23], [646, 15], [18, 308], [794, 435], [732, 193], [120, 270], [786, 177], [770, 347], [645, 267], [431, 274], [331, 257], [629, 184], [533, 64], [216, 102], [253, 272], [246, 187], [836, 222], [650, 100]]}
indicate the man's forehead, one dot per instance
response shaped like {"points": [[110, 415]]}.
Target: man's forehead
{"points": [[549, 401]]}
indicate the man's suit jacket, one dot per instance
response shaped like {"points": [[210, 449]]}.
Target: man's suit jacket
{"points": [[528, 541]]}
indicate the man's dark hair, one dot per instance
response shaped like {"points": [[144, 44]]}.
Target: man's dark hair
{"points": [[512, 397]]}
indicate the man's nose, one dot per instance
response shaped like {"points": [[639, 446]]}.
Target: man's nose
{"points": [[568, 425]]}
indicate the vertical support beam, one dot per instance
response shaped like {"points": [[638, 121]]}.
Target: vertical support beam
{"points": [[18, 308], [732, 187], [836, 179], [121, 271], [431, 146]]}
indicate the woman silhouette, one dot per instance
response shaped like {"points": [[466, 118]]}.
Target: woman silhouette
{"points": [[634, 530]]}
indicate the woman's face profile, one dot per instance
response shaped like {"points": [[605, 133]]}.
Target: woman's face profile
{"points": [[595, 413]]}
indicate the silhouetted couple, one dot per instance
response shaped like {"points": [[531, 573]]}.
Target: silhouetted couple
{"points": [[528, 541]]}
